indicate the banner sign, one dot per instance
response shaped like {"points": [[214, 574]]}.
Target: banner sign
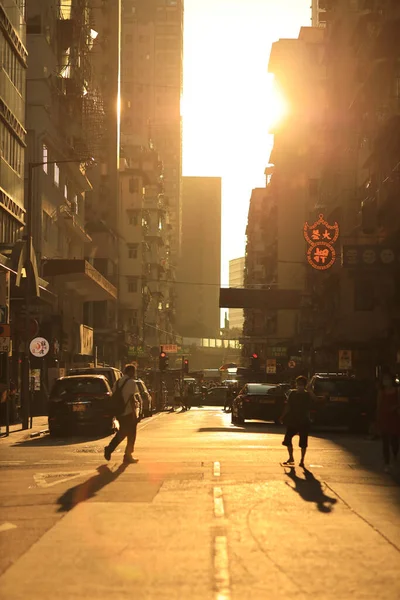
{"points": [[367, 256], [321, 237]]}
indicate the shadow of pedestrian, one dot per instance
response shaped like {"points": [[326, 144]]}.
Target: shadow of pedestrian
{"points": [[86, 490], [310, 489]]}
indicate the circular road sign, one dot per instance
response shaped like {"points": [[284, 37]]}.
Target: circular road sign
{"points": [[39, 347], [291, 364]]}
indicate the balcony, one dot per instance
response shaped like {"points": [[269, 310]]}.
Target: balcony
{"points": [[11, 96], [11, 183], [73, 222], [81, 277]]}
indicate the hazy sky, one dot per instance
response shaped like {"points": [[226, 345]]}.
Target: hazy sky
{"points": [[227, 102]]}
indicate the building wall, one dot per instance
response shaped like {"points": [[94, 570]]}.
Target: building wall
{"points": [[13, 57], [198, 313], [236, 279]]}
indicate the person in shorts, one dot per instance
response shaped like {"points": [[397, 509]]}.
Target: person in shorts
{"points": [[296, 417]]}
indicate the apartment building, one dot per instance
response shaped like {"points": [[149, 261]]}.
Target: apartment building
{"points": [[152, 54], [236, 279], [146, 300], [199, 272], [60, 85], [13, 63]]}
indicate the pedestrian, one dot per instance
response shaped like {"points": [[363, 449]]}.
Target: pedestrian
{"points": [[177, 394], [129, 418], [388, 414], [296, 417], [189, 395]]}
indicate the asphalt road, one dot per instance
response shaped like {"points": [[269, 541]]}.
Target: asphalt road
{"points": [[209, 512]]}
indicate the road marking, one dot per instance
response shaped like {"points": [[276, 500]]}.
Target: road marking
{"points": [[151, 420], [217, 469], [12, 462], [41, 479], [7, 526], [221, 568], [219, 510]]}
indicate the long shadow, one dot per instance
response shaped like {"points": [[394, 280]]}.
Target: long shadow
{"points": [[48, 440], [248, 427], [310, 490], [86, 490]]}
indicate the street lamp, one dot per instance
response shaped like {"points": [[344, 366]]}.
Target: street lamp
{"points": [[26, 409]]}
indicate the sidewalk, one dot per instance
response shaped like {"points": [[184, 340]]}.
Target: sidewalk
{"points": [[39, 425]]}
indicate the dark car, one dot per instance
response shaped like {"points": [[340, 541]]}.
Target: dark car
{"points": [[111, 373], [216, 396], [261, 401], [341, 400], [146, 409], [80, 401]]}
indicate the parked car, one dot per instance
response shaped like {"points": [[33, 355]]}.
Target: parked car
{"points": [[111, 373], [146, 408], [216, 396], [78, 401], [341, 400], [258, 401]]}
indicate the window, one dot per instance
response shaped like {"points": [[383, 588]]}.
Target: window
{"points": [[132, 217], [56, 175], [133, 185], [45, 157], [364, 297], [11, 149], [66, 191], [132, 250], [132, 285], [46, 224]]}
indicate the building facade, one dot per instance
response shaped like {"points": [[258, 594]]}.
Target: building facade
{"points": [[199, 272], [152, 55], [13, 63], [236, 279]]}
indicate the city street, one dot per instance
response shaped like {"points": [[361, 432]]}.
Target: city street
{"points": [[208, 512]]}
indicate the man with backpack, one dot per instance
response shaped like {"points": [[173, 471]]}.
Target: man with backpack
{"points": [[124, 398]]}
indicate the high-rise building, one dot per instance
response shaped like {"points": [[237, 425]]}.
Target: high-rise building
{"points": [[318, 12], [152, 77], [236, 280], [13, 57], [198, 280]]}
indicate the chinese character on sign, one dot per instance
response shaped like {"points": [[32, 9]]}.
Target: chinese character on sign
{"points": [[321, 255], [321, 236]]}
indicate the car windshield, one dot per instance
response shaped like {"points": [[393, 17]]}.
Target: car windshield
{"points": [[258, 389], [79, 385], [339, 387]]}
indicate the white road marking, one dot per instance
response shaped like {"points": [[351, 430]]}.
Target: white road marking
{"points": [[12, 462], [7, 526], [217, 469], [219, 510], [221, 568], [41, 478]]}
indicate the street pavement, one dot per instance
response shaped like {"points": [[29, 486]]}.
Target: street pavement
{"points": [[208, 512]]}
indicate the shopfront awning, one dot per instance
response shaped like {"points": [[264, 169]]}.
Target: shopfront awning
{"points": [[80, 276]]}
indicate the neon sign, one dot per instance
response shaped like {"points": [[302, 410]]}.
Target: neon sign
{"points": [[321, 236]]}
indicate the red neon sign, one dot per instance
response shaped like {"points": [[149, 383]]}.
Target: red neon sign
{"points": [[321, 236]]}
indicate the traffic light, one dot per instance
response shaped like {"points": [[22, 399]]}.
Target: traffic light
{"points": [[186, 365], [255, 362], [163, 361]]}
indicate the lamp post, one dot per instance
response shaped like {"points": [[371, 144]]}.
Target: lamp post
{"points": [[26, 392]]}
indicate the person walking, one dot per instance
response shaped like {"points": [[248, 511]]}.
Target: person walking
{"points": [[177, 395], [129, 418], [296, 417], [388, 418]]}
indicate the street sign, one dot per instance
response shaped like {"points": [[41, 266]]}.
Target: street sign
{"points": [[3, 314], [271, 366], [39, 347], [5, 331], [5, 344], [291, 364], [345, 359], [170, 348]]}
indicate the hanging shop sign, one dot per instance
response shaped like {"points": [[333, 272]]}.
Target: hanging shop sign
{"points": [[271, 366], [370, 256], [39, 347], [345, 360], [321, 237]]}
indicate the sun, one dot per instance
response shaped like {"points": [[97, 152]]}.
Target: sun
{"points": [[277, 108]]}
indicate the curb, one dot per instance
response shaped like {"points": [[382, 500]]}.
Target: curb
{"points": [[38, 433]]}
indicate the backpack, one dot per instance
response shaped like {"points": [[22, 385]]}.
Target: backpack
{"points": [[118, 403]]}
